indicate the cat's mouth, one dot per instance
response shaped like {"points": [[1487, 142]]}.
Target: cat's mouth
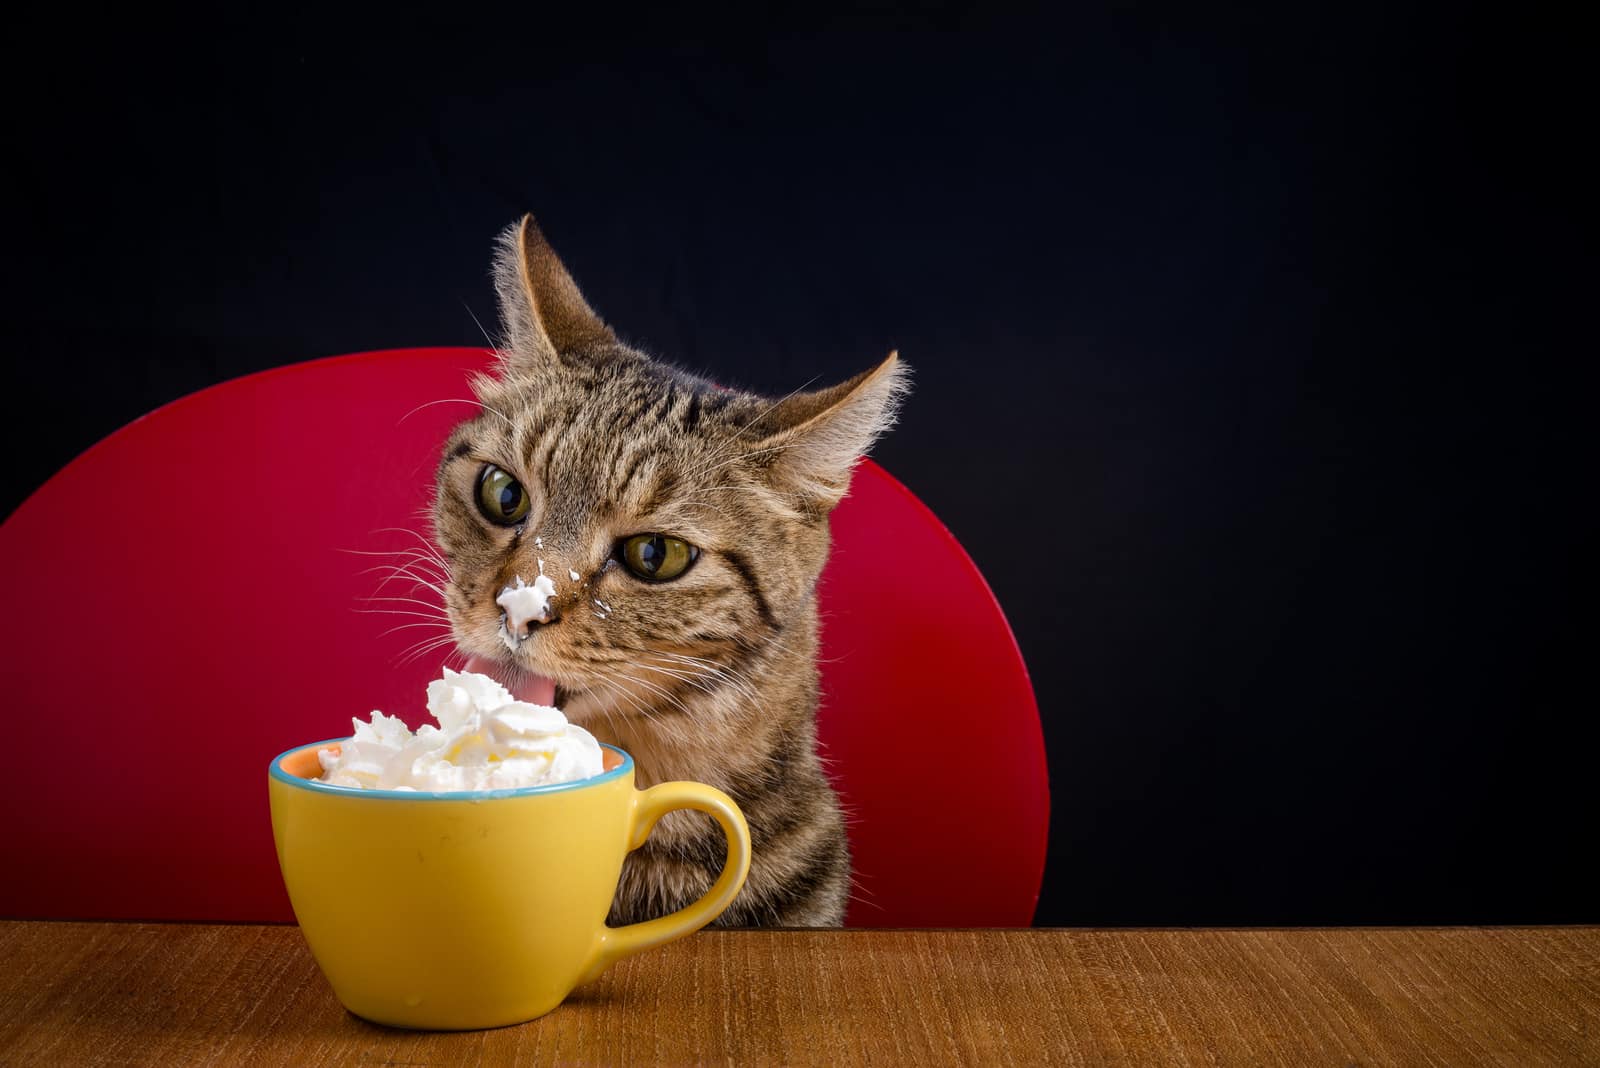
{"points": [[524, 685]]}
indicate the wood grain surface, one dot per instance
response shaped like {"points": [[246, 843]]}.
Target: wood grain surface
{"points": [[166, 994]]}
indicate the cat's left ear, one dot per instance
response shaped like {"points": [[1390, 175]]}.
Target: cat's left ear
{"points": [[813, 440], [542, 312]]}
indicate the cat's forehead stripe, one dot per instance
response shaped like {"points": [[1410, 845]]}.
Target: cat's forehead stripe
{"points": [[562, 430], [639, 458]]}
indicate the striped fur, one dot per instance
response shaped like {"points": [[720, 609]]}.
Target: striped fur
{"points": [[711, 677]]}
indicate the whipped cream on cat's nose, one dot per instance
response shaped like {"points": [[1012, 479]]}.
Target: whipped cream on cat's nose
{"points": [[523, 604], [485, 740]]}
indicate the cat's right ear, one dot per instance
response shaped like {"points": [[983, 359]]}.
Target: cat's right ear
{"points": [[543, 316], [809, 442]]}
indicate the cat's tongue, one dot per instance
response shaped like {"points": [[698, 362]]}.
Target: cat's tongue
{"points": [[534, 689]]}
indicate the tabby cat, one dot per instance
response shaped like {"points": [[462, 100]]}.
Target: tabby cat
{"points": [[683, 527]]}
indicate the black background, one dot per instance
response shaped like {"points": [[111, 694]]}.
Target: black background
{"points": [[1251, 360]]}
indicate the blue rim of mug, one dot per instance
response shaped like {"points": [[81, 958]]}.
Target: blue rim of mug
{"points": [[275, 769]]}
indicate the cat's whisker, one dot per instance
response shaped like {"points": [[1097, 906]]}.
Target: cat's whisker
{"points": [[438, 608], [422, 539], [695, 663], [416, 571], [610, 707], [763, 413], [413, 657], [732, 698], [428, 550], [666, 695], [703, 680], [705, 506], [401, 572], [640, 711], [421, 563], [377, 552], [431, 640], [408, 626], [422, 649], [390, 574], [422, 569], [743, 683], [712, 677], [489, 340], [697, 680], [623, 675], [422, 654], [747, 455], [764, 497], [431, 584], [437, 616], [393, 530], [666, 728], [699, 660], [738, 435], [859, 894], [458, 400], [434, 564], [609, 682], [417, 585], [409, 555]]}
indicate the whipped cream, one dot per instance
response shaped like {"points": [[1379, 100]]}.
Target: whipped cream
{"points": [[523, 602], [486, 740]]}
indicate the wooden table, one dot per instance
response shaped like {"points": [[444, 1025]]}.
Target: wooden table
{"points": [[181, 994]]}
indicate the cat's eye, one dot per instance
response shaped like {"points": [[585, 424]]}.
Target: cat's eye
{"points": [[501, 498], [657, 557]]}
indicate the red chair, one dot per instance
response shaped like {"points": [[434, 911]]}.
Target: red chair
{"points": [[181, 606]]}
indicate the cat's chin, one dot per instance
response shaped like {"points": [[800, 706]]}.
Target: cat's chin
{"points": [[523, 684]]}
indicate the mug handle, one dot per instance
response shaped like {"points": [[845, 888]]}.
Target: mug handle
{"points": [[648, 807]]}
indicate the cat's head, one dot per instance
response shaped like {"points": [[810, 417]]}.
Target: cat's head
{"points": [[678, 523]]}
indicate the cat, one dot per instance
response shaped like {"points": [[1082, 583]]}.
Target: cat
{"points": [[682, 527]]}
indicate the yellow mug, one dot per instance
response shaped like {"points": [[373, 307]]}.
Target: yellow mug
{"points": [[456, 911]]}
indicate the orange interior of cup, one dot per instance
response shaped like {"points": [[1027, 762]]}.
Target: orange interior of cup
{"points": [[303, 763]]}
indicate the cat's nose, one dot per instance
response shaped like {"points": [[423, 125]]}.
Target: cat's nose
{"points": [[520, 627], [527, 607]]}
